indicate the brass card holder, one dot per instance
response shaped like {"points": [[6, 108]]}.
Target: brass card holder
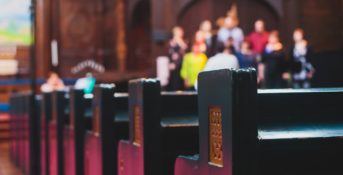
{"points": [[215, 137]]}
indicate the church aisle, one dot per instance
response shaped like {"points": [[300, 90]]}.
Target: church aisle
{"points": [[6, 166]]}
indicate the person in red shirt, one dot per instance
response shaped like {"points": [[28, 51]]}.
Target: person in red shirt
{"points": [[259, 38]]}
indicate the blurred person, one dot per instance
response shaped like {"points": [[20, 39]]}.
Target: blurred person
{"points": [[222, 60], [230, 29], [86, 83], [230, 45], [246, 56], [274, 63], [210, 37], [193, 63], [206, 29], [220, 22], [177, 48], [300, 57], [200, 42], [53, 83], [259, 38]]}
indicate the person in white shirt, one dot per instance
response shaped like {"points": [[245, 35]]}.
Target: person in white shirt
{"points": [[54, 83], [222, 60]]}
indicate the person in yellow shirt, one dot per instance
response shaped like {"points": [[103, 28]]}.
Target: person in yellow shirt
{"points": [[193, 63]]}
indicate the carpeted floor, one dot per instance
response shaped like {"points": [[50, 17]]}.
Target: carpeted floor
{"points": [[6, 166]]}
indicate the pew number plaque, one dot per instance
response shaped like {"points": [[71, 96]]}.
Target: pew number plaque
{"points": [[136, 126], [215, 136]]}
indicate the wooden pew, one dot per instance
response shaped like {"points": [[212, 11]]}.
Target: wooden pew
{"points": [[44, 133], [14, 112], [109, 125], [302, 130], [26, 146], [18, 126], [74, 132], [60, 117], [162, 126], [269, 132]]}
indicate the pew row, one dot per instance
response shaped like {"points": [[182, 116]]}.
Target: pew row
{"points": [[245, 131], [25, 128], [80, 118], [162, 126], [60, 117], [44, 133], [109, 125]]}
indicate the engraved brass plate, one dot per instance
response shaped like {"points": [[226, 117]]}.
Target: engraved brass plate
{"points": [[136, 126], [215, 136]]}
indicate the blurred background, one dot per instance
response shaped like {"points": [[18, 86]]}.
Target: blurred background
{"points": [[117, 40]]}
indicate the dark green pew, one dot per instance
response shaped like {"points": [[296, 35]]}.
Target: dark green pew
{"points": [[44, 133], [25, 127], [60, 117], [162, 126], [80, 118], [245, 131], [109, 125]]}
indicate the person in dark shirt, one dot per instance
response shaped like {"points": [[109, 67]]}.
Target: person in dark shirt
{"points": [[274, 63], [210, 37], [177, 48], [300, 57]]}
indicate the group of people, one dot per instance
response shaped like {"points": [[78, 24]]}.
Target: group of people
{"points": [[229, 48], [55, 83]]}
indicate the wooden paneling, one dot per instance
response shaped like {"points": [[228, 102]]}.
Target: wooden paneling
{"points": [[81, 32], [86, 29], [195, 14], [43, 37], [257, 10], [139, 37], [323, 23]]}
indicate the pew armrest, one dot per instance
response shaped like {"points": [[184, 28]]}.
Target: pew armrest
{"points": [[187, 165]]}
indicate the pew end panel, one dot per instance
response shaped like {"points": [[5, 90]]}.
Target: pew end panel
{"points": [[44, 132], [224, 147], [131, 153], [107, 129], [162, 126]]}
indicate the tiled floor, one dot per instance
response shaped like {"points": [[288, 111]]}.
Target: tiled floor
{"points": [[6, 166]]}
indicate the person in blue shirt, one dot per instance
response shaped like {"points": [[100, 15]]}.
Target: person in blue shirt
{"points": [[246, 57], [86, 83]]}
